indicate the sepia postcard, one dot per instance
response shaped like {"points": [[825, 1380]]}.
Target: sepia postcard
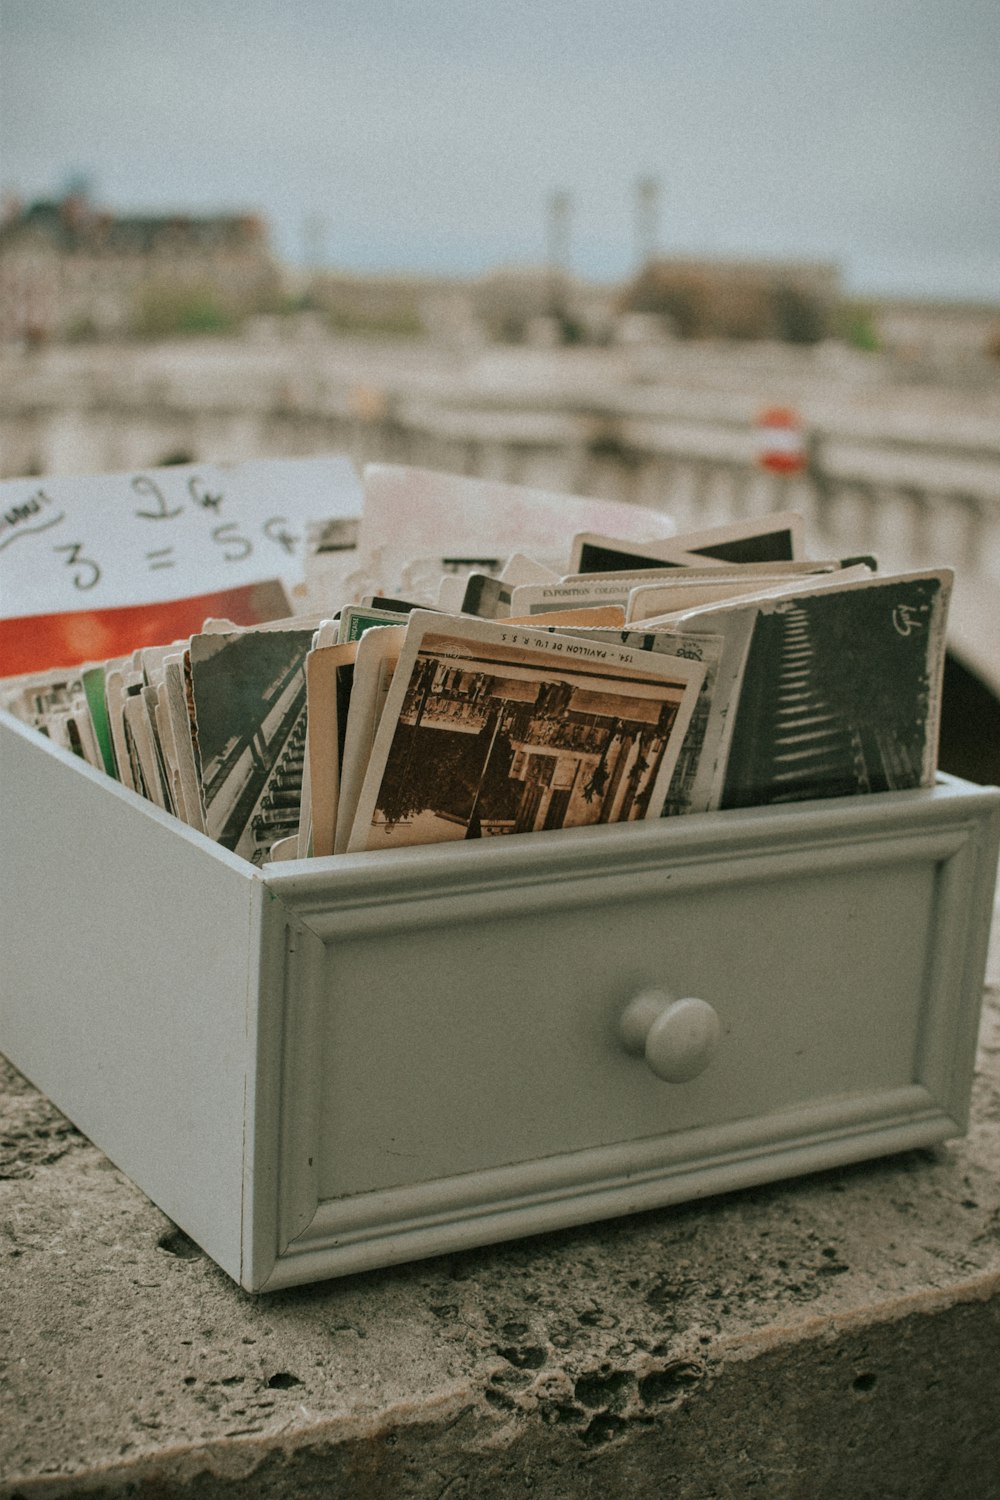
{"points": [[329, 674], [374, 664], [489, 729], [538, 599], [179, 710]]}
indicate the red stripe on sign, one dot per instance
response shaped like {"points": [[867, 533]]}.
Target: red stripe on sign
{"points": [[783, 462], [33, 643]]}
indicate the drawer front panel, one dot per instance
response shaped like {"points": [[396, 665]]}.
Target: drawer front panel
{"points": [[457, 1046], [442, 1062]]}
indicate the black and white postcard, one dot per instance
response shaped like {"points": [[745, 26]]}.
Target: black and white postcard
{"points": [[249, 694], [771, 538], [487, 597], [838, 691]]}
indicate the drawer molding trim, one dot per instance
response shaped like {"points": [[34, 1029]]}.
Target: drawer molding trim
{"points": [[482, 1207]]}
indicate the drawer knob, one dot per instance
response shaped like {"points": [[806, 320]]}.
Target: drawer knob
{"points": [[678, 1038]]}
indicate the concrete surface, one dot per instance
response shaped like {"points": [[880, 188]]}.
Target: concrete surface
{"points": [[837, 1336]]}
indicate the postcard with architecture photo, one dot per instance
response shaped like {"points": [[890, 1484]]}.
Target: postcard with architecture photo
{"points": [[839, 691], [249, 691], [488, 731]]}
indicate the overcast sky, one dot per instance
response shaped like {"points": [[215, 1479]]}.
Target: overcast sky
{"points": [[430, 135]]}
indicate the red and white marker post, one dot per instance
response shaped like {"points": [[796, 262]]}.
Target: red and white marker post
{"points": [[781, 445]]}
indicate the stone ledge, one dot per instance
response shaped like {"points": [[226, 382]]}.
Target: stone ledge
{"points": [[830, 1337]]}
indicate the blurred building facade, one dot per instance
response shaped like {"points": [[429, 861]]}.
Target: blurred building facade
{"points": [[791, 301], [70, 270]]}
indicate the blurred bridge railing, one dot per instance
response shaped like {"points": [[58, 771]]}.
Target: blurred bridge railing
{"points": [[921, 489]]}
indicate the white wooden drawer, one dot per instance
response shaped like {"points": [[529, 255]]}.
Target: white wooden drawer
{"points": [[336, 1064]]}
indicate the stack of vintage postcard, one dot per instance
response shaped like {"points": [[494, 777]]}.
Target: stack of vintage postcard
{"points": [[211, 729], [474, 691]]}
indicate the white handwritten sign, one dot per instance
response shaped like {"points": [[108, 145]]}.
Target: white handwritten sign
{"points": [[143, 538]]}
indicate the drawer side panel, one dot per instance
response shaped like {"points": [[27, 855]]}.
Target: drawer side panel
{"points": [[129, 959]]}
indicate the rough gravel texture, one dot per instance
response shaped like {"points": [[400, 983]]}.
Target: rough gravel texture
{"points": [[837, 1336]]}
